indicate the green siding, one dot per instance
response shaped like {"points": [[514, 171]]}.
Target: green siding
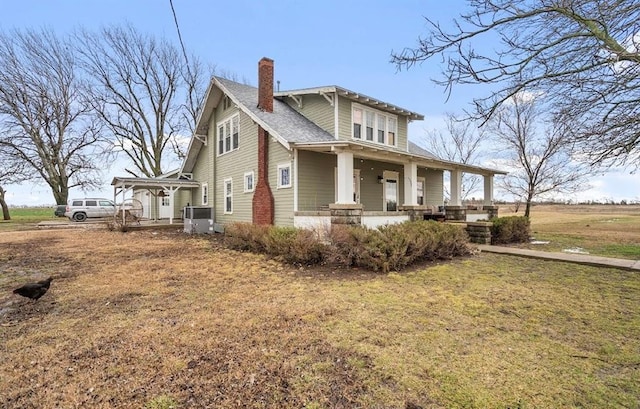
{"points": [[371, 194], [316, 182], [434, 188], [282, 198], [344, 119], [317, 109], [233, 165], [402, 132]]}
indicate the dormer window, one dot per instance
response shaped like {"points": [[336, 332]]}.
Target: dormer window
{"points": [[379, 127]]}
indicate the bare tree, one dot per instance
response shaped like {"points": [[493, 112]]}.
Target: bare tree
{"points": [[145, 93], [583, 55], [11, 172], [461, 142], [45, 123], [538, 160]]}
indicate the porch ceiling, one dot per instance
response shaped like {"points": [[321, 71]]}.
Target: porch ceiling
{"points": [[152, 183], [364, 150]]}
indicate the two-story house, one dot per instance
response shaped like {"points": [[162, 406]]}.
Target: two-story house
{"points": [[310, 157]]}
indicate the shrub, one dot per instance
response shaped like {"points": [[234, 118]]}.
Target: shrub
{"points": [[511, 229], [299, 246], [286, 243], [389, 248], [396, 246], [246, 237]]}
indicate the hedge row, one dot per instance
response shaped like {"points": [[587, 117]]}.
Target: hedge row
{"points": [[385, 249]]}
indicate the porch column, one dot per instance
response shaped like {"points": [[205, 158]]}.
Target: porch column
{"points": [[345, 178], [456, 188], [410, 184], [488, 190], [171, 204]]}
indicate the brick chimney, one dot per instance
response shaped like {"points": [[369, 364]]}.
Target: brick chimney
{"points": [[263, 205], [265, 84]]}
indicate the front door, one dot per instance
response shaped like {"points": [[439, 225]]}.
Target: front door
{"points": [[165, 206], [390, 191]]}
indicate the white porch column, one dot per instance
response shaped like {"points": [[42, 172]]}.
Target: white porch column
{"points": [[171, 204], [488, 190], [456, 188], [410, 184], [345, 178]]}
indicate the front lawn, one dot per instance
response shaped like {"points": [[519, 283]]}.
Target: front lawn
{"points": [[155, 319]]}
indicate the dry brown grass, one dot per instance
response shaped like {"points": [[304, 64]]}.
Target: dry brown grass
{"points": [[605, 230], [147, 319]]}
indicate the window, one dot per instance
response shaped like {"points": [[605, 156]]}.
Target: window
{"points": [[228, 134], [369, 115], [420, 187], [357, 123], [228, 196], [234, 130], [165, 201], [205, 194], [107, 203], [379, 127], [382, 125], [391, 132], [248, 182], [91, 203], [284, 175]]}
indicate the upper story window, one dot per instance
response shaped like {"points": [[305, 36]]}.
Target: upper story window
{"points": [[374, 126], [228, 132]]}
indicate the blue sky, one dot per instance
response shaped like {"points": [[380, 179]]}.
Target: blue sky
{"points": [[313, 43]]}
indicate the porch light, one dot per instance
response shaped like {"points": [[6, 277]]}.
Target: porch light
{"points": [[380, 179]]}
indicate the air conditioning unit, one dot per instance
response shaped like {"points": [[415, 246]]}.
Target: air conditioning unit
{"points": [[198, 219], [186, 176]]}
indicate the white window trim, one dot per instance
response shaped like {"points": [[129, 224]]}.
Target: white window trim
{"points": [[377, 113], [424, 190], [223, 123], [230, 182], [205, 197], [253, 182], [280, 167]]}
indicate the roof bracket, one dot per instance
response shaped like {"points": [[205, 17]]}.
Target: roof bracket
{"points": [[328, 97], [201, 138], [297, 99]]}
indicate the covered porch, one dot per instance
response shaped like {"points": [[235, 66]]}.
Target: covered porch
{"points": [[375, 185], [156, 194]]}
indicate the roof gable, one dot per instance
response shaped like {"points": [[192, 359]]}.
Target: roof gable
{"points": [[354, 96]]}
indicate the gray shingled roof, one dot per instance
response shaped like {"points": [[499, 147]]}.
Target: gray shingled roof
{"points": [[284, 120], [416, 150]]}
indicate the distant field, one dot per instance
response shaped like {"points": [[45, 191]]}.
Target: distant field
{"points": [[25, 218], [604, 230]]}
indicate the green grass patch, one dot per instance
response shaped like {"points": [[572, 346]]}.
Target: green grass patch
{"points": [[631, 251], [26, 217]]}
